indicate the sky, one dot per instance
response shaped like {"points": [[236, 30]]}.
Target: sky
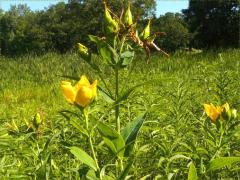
{"points": [[163, 6]]}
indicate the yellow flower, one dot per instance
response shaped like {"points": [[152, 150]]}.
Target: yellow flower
{"points": [[82, 93], [213, 111]]}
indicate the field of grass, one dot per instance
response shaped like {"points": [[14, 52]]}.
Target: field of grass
{"points": [[176, 130]]}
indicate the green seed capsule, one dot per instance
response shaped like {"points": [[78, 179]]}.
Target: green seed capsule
{"points": [[128, 20], [110, 25], [146, 32]]}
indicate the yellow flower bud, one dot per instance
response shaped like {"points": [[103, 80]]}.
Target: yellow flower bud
{"points": [[82, 49], [213, 112], [82, 93], [37, 119], [234, 113], [226, 113], [128, 20], [146, 32], [111, 26]]}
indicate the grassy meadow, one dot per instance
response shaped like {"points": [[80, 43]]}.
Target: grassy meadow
{"points": [[175, 131]]}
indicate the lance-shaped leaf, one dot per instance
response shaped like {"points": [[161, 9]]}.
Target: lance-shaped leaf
{"points": [[126, 58], [107, 53], [112, 139], [127, 93], [83, 157], [125, 171], [192, 173], [106, 96], [222, 162], [130, 132]]}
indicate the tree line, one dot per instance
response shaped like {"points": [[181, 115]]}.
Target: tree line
{"points": [[204, 24]]}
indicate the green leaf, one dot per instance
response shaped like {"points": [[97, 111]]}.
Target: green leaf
{"points": [[91, 175], [112, 139], [126, 58], [222, 162], [125, 171], [130, 132], [78, 126], [107, 53], [192, 173], [127, 93], [83, 157], [105, 95]]}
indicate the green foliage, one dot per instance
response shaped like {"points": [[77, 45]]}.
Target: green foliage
{"points": [[112, 139], [192, 174], [213, 23], [58, 28], [175, 132], [222, 162], [177, 33], [83, 157]]}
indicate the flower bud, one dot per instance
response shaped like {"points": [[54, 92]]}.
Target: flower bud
{"points": [[110, 25], [146, 32], [226, 112], [82, 49], [234, 113], [127, 19], [37, 119]]}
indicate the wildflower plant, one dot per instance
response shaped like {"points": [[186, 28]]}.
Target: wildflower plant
{"points": [[116, 50]]}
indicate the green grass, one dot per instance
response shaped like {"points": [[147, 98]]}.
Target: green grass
{"points": [[175, 91]]}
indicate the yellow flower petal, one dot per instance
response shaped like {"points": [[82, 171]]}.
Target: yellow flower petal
{"points": [[94, 89], [68, 91], [84, 96], [226, 107], [212, 111], [83, 82]]}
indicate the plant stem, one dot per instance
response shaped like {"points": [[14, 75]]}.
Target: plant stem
{"points": [[218, 146], [85, 111], [118, 124]]}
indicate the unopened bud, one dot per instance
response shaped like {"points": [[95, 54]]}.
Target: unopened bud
{"points": [[37, 119], [234, 113], [82, 49], [146, 32], [128, 20], [111, 26]]}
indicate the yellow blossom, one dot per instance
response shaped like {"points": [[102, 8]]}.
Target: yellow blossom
{"points": [[82, 93], [213, 111]]}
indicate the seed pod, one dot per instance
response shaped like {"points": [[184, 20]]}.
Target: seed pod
{"points": [[110, 25], [146, 32], [127, 19]]}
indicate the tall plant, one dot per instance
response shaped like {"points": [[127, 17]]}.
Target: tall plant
{"points": [[116, 50]]}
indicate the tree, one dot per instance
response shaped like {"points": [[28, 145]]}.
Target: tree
{"points": [[214, 23], [177, 35]]}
